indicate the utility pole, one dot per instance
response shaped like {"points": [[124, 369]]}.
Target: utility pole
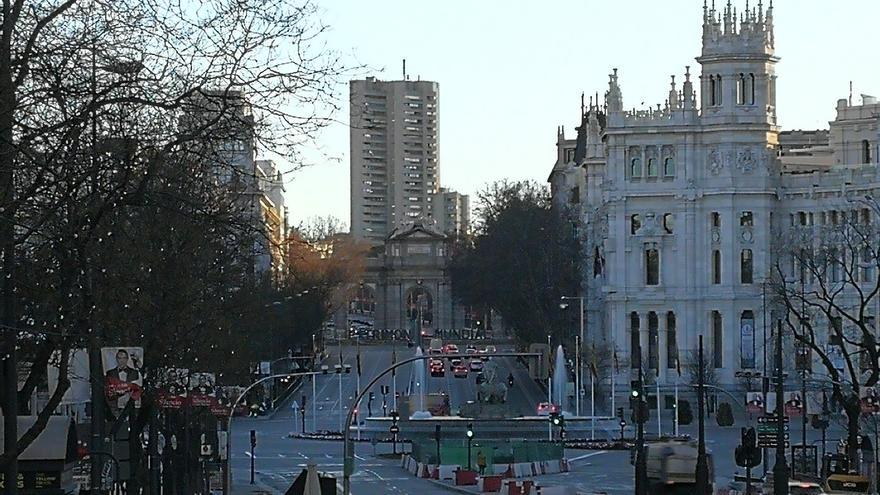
{"points": [[702, 474], [640, 408], [780, 470]]}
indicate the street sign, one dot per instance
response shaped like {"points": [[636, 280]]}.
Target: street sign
{"points": [[771, 428], [771, 444], [771, 419], [394, 429], [295, 406]]}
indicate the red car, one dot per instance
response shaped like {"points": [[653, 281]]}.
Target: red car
{"points": [[450, 349], [437, 368], [546, 409], [460, 371]]}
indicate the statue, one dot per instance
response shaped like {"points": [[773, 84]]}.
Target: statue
{"points": [[491, 391]]}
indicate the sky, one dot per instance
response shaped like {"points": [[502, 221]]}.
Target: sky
{"points": [[511, 71]]}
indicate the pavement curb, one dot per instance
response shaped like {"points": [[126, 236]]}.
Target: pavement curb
{"points": [[453, 488]]}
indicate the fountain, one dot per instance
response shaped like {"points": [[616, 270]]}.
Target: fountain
{"points": [[560, 380], [420, 385]]}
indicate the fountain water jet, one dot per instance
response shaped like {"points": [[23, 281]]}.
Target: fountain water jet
{"points": [[420, 387], [560, 379]]}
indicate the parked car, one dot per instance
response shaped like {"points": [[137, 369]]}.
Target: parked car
{"points": [[470, 349], [476, 364], [460, 371], [546, 408]]}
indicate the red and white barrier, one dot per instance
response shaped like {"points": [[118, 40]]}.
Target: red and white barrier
{"points": [[446, 472]]}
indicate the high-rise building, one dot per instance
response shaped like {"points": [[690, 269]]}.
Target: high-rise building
{"points": [[452, 212], [395, 173]]}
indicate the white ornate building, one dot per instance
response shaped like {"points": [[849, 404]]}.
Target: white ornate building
{"points": [[677, 202]]}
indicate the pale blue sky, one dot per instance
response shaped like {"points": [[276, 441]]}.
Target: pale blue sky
{"points": [[511, 71]]}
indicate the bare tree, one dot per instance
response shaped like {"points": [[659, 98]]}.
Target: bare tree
{"points": [[825, 278], [97, 99]]}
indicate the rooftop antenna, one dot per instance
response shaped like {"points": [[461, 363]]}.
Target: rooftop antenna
{"points": [[404, 69], [850, 93]]}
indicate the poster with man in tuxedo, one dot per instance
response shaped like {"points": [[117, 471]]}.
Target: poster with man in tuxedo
{"points": [[123, 379], [173, 389], [202, 390]]}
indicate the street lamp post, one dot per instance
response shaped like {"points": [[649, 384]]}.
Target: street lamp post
{"points": [[580, 342], [470, 437], [227, 476]]}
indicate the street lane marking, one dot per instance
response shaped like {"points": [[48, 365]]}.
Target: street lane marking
{"points": [[585, 456], [359, 457]]}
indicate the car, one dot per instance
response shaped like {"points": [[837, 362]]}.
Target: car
{"points": [[470, 349], [450, 349], [456, 362], [435, 352], [437, 368], [546, 409], [460, 371], [476, 364], [490, 349]]}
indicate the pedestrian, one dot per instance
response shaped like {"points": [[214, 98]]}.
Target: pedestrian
{"points": [[481, 462]]}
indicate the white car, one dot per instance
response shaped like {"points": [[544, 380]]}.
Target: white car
{"points": [[476, 364]]}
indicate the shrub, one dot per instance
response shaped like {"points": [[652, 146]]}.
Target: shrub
{"points": [[685, 414], [724, 417]]}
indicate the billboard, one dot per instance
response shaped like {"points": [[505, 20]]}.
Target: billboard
{"points": [[202, 392], [755, 402], [869, 400], [794, 404], [123, 379], [173, 388]]}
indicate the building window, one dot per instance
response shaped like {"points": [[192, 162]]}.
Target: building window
{"points": [[751, 89], [717, 340], [746, 267], [635, 345], [866, 151], [669, 167], [865, 363], [716, 267], [575, 195], [719, 90], [716, 220], [746, 219], [635, 223], [712, 91], [834, 261], [652, 167], [653, 341], [741, 89], [747, 340], [671, 342], [652, 266], [668, 223], [635, 167], [867, 265]]}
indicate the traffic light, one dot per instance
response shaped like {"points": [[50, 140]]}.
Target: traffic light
{"points": [[437, 432], [747, 454], [620, 413], [470, 431]]}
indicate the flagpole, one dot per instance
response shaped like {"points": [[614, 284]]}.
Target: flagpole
{"points": [[657, 382], [358, 385], [675, 418], [613, 380], [592, 404]]}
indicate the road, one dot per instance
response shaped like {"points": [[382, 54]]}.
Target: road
{"points": [[280, 458]]}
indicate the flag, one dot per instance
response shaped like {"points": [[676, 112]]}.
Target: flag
{"points": [[393, 361], [359, 362], [677, 363]]}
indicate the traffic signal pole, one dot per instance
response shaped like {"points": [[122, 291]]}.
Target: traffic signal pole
{"points": [[641, 465], [702, 473], [780, 470]]}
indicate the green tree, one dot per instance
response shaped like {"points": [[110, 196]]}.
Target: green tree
{"points": [[523, 257]]}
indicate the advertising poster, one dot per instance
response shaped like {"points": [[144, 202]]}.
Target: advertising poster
{"points": [[173, 388], [123, 380], [755, 402], [794, 404], [202, 392], [869, 400]]}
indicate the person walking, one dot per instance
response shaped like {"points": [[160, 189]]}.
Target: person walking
{"points": [[481, 462]]}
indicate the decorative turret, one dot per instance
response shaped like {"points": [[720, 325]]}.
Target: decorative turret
{"points": [[729, 33], [613, 97], [673, 95], [687, 90]]}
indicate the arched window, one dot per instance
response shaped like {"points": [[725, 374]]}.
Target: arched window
{"points": [[746, 267], [712, 91], [741, 89], [669, 166], [635, 167], [652, 266], [671, 342], [652, 167], [634, 343], [717, 340], [635, 223], [420, 308], [866, 151], [719, 91], [751, 89], [364, 301], [653, 341], [716, 267], [747, 340]]}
